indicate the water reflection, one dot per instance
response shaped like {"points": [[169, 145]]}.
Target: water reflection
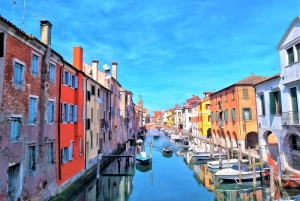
{"points": [[176, 176]]}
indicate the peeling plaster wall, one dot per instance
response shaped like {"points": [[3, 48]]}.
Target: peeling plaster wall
{"points": [[41, 183]]}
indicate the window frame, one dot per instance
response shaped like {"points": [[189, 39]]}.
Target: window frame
{"points": [[21, 76], [51, 121], [52, 72], [35, 69], [17, 136], [33, 120], [290, 57]]}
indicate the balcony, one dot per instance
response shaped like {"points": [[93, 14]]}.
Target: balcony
{"points": [[290, 118]]}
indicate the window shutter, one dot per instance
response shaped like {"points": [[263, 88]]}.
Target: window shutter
{"points": [[75, 113], [279, 101], [272, 103], [243, 114], [76, 82], [69, 79], [83, 114], [62, 156], [233, 114], [62, 112], [250, 114], [226, 115], [13, 130], [216, 115], [49, 111], [64, 77], [71, 150], [67, 115], [263, 104]]}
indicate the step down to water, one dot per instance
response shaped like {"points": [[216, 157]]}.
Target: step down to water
{"points": [[112, 156]]}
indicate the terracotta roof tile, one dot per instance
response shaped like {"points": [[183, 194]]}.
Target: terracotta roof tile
{"points": [[252, 79]]}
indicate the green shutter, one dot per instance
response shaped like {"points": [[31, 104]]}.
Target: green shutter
{"points": [[279, 101], [216, 115], [226, 115], [263, 104], [233, 114], [272, 103], [250, 114], [243, 114], [245, 93]]}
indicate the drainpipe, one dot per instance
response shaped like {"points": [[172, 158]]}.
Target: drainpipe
{"points": [[237, 91], [59, 121]]}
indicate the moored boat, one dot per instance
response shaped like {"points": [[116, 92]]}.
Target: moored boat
{"points": [[207, 156], [246, 173], [144, 158], [225, 164], [167, 150]]}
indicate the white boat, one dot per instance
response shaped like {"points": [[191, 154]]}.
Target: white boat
{"points": [[233, 173], [176, 138], [225, 164], [186, 144], [206, 156]]}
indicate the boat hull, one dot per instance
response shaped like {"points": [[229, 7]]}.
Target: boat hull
{"points": [[143, 159], [224, 164], [207, 156]]}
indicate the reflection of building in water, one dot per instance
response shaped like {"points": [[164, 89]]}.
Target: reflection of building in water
{"points": [[188, 158], [206, 177]]}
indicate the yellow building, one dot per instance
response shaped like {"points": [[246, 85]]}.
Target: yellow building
{"points": [[170, 117], [204, 122]]}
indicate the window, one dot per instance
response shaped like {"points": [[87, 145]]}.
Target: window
{"points": [[71, 150], [31, 159], [112, 111], [88, 95], [32, 110], [18, 73], [35, 64], [109, 135], [232, 93], [15, 129], [226, 97], [207, 106], [50, 111], [83, 114], [65, 155], [247, 113], [120, 95], [211, 116], [190, 119], [262, 104], [2, 44], [52, 73], [64, 112], [298, 51], [296, 142], [92, 136], [275, 102], [69, 79], [93, 90], [100, 147], [102, 123], [103, 134], [92, 115], [226, 115], [233, 114], [71, 113], [290, 54], [88, 124], [217, 116], [208, 118], [245, 93], [112, 88], [50, 157], [98, 93], [81, 147]]}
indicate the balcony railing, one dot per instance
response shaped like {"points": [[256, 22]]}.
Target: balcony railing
{"points": [[290, 118]]}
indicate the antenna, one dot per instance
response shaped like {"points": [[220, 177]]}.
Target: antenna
{"points": [[38, 15], [14, 5], [62, 37], [23, 24]]}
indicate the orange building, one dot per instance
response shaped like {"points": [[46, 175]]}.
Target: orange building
{"points": [[233, 114], [70, 147]]}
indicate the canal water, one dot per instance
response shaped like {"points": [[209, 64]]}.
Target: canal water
{"points": [[175, 177]]}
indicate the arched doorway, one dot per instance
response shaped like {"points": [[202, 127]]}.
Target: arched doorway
{"points": [[228, 139], [251, 140], [234, 141], [223, 139], [209, 133], [291, 149], [272, 145]]}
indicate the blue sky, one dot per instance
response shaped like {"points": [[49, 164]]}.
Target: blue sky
{"points": [[167, 50]]}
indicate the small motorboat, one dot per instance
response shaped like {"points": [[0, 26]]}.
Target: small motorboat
{"points": [[206, 156], [246, 172], [143, 158], [186, 144], [167, 150], [156, 135], [225, 164]]}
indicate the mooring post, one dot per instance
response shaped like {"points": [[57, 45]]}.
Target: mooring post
{"points": [[279, 172], [228, 157], [220, 156], [254, 173], [272, 182], [239, 164], [249, 155]]}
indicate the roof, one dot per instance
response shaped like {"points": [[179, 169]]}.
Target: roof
{"points": [[250, 80], [287, 32], [269, 78]]}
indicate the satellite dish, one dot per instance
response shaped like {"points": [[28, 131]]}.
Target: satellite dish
{"points": [[107, 76], [106, 67]]}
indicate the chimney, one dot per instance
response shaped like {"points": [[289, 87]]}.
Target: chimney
{"points": [[114, 70], [46, 32], [95, 69], [78, 57]]}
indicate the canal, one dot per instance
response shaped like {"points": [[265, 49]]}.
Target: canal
{"points": [[173, 177]]}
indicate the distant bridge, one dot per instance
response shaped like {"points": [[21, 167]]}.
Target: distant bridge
{"points": [[150, 125]]}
